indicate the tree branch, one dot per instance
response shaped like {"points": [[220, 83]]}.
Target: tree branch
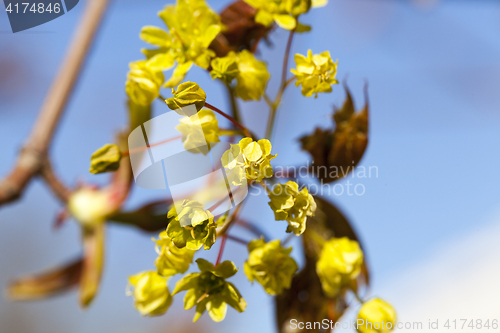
{"points": [[32, 157]]}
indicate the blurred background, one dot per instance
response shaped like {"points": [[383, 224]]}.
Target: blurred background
{"points": [[430, 220]]}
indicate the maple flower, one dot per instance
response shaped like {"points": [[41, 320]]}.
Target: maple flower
{"points": [[192, 26], [283, 12], [200, 132], [171, 259], [151, 294], [292, 205], [316, 73], [340, 262], [193, 227], [143, 83], [271, 265], [209, 290], [248, 160], [376, 313]]}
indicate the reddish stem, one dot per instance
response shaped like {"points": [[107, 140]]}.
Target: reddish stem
{"points": [[231, 119], [221, 249], [137, 150]]}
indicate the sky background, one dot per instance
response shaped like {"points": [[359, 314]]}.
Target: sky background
{"points": [[429, 222]]}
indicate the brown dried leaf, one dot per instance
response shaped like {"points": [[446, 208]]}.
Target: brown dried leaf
{"points": [[337, 152], [305, 300], [47, 284], [242, 31]]}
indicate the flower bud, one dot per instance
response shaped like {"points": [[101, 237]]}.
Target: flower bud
{"points": [[187, 93], [105, 159], [151, 294], [376, 316], [340, 262]]}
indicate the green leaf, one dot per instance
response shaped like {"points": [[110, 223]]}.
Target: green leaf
{"points": [[93, 245]]}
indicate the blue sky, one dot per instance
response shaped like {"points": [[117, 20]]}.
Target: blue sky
{"points": [[433, 74]]}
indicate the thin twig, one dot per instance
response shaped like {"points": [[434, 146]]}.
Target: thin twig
{"points": [[32, 157], [56, 185], [273, 108]]}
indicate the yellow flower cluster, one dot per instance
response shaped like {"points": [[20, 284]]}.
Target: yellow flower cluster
{"points": [[209, 290], [200, 132], [248, 160], [316, 73], [192, 26], [339, 263], [171, 259], [193, 227], [251, 74], [283, 12], [292, 205], [271, 265], [143, 83], [376, 316], [151, 294]]}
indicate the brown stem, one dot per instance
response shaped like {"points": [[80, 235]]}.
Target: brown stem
{"points": [[58, 188], [32, 156]]}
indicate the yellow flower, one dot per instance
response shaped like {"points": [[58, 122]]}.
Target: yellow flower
{"points": [[248, 160], [187, 93], [339, 263], [200, 132], [192, 26], [283, 12], [193, 227], [251, 74], [105, 159], [271, 265], [89, 206], [224, 68], [151, 294], [209, 290], [316, 73], [171, 259], [292, 205], [376, 316], [143, 83]]}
